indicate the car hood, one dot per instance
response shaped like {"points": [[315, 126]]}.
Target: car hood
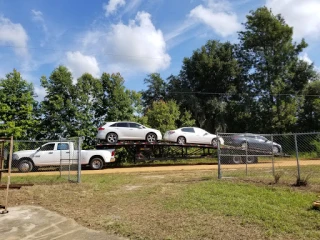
{"points": [[153, 129]]}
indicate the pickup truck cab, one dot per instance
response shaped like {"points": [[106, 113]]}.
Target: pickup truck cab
{"points": [[60, 153]]}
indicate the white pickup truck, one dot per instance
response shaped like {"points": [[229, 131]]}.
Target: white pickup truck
{"points": [[60, 153]]}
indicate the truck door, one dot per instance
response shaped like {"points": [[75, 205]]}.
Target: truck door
{"points": [[64, 153], [46, 155]]}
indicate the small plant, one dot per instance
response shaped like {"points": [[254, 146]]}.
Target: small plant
{"points": [[277, 177], [302, 182]]}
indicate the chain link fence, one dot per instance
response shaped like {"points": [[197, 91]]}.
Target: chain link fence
{"points": [[292, 158], [57, 158]]}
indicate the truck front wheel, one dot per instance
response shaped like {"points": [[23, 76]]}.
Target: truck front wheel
{"points": [[25, 166], [96, 163]]}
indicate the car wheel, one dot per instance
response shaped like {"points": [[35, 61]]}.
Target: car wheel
{"points": [[236, 160], [112, 138], [151, 137], [250, 159], [275, 149], [215, 142], [25, 166], [181, 140], [96, 163]]}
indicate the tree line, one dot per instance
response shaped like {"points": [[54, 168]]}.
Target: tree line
{"points": [[256, 85]]}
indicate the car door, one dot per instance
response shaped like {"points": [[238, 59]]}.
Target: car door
{"points": [[252, 141], [200, 136], [47, 155], [123, 130], [264, 143], [136, 131], [206, 138], [189, 134]]}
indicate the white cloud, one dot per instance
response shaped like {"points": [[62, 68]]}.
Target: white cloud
{"points": [[138, 44], [13, 34], [37, 16], [185, 26], [302, 15], [40, 92], [79, 64], [112, 6], [218, 16], [305, 58], [132, 7]]}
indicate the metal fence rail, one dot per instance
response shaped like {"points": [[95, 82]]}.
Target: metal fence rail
{"points": [[291, 157]]}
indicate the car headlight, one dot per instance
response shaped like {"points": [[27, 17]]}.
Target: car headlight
{"points": [[15, 157]]}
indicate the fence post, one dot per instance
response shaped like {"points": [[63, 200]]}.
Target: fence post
{"points": [[219, 159], [246, 156], [9, 174], [79, 160], [297, 155], [273, 170]]}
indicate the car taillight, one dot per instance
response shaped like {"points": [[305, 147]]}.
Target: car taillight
{"points": [[100, 128], [171, 132], [112, 154]]}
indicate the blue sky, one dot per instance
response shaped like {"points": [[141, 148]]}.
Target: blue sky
{"points": [[133, 37]]}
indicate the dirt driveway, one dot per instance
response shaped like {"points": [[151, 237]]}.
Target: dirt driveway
{"points": [[278, 163]]}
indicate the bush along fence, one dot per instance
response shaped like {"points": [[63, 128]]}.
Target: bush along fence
{"points": [[279, 155]]}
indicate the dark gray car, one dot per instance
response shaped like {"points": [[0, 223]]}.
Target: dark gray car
{"points": [[254, 142]]}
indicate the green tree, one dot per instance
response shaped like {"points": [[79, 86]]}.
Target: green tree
{"points": [[186, 119], [309, 118], [163, 115], [88, 88], [156, 90], [16, 106], [138, 115], [59, 107], [205, 84], [275, 73], [114, 102]]}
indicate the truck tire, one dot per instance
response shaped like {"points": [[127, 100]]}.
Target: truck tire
{"points": [[25, 166], [96, 163]]}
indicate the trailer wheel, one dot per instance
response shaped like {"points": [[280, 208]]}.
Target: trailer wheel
{"points": [[25, 166], [236, 160], [250, 159], [96, 163]]}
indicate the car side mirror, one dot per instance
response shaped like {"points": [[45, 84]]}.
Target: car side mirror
{"points": [[205, 134]]}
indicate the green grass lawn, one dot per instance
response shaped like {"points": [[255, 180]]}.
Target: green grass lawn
{"points": [[181, 205]]}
